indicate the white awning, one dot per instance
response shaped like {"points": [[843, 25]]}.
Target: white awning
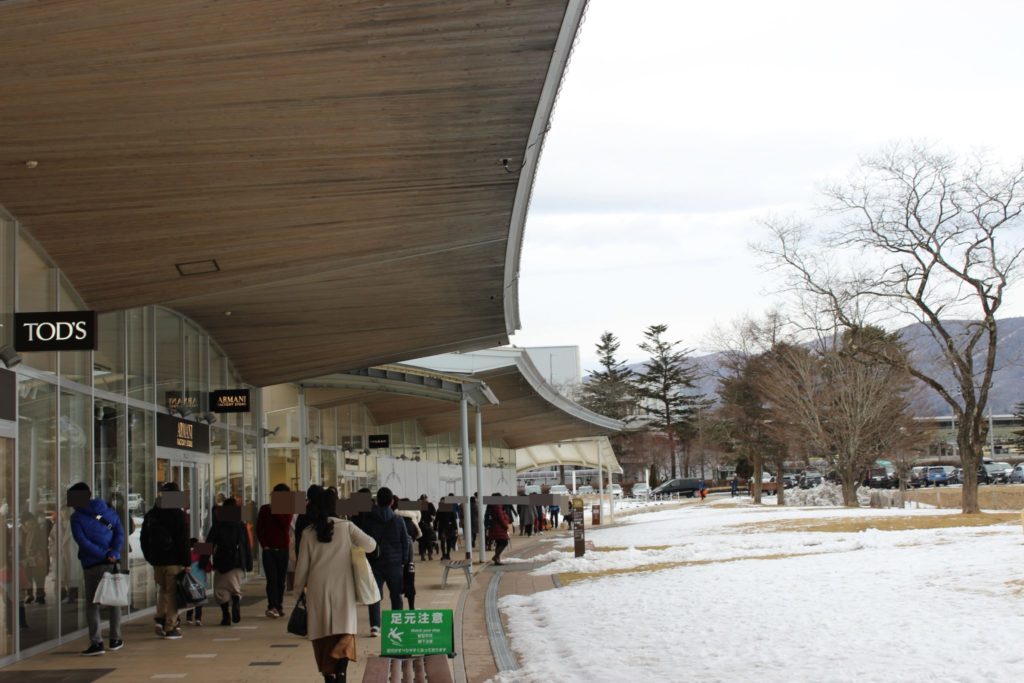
{"points": [[588, 452]]}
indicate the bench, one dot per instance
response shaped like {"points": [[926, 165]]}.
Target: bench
{"points": [[426, 669], [464, 565]]}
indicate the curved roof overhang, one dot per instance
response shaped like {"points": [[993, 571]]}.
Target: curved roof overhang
{"points": [[518, 406], [320, 185], [590, 453]]}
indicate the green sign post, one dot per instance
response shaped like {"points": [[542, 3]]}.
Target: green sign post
{"points": [[417, 632]]}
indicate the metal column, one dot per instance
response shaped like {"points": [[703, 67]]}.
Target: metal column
{"points": [[480, 483], [303, 447], [464, 433]]}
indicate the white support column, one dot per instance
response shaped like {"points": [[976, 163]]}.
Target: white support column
{"points": [[480, 484], [464, 433], [600, 478]]}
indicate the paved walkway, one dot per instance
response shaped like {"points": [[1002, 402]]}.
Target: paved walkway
{"points": [[260, 650]]}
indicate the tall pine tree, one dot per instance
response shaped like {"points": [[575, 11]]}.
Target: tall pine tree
{"points": [[609, 391], [667, 388]]}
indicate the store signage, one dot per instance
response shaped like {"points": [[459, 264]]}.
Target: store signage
{"points": [[8, 396], [229, 401], [378, 440], [579, 541], [417, 632], [595, 515], [182, 402], [174, 432], [64, 331]]}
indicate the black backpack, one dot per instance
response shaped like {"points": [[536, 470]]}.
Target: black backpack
{"points": [[157, 542]]}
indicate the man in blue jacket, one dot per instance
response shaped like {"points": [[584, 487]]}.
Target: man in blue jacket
{"points": [[394, 552], [97, 530]]}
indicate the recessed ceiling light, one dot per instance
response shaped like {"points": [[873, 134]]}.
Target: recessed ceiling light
{"points": [[227, 312], [31, 163], [197, 267]]}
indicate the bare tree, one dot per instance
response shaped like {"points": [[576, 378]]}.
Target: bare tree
{"points": [[924, 236]]}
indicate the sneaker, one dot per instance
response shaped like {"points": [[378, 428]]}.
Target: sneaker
{"points": [[94, 650], [375, 631], [173, 634], [115, 645], [272, 613], [198, 623], [190, 622], [158, 626]]}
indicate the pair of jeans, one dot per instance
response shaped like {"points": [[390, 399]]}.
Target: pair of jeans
{"points": [[93, 576], [166, 577], [392, 575], [275, 567]]}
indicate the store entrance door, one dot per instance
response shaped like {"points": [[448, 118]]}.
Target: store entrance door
{"points": [[192, 475]]}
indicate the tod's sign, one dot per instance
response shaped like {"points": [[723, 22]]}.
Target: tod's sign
{"points": [[64, 331]]}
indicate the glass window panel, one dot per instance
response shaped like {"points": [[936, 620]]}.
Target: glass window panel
{"points": [[283, 467], [36, 292], [75, 436], [235, 464], [252, 487], [108, 370], [219, 453], [38, 502], [74, 365], [142, 479], [140, 353], [8, 617], [168, 356], [195, 365], [329, 466], [218, 368]]}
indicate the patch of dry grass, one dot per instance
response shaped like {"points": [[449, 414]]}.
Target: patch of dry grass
{"points": [[990, 497], [571, 577], [898, 523]]}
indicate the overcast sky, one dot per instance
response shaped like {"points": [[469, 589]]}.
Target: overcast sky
{"points": [[680, 124]]}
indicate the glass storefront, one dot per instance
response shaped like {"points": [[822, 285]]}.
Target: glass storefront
{"points": [[90, 416]]}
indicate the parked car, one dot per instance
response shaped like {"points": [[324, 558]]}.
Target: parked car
{"points": [[682, 487], [957, 477], [1017, 474], [939, 475], [616, 490], [918, 477], [789, 481], [530, 489], [810, 479], [559, 490], [1000, 472], [584, 490], [134, 502], [882, 478], [641, 490], [983, 476]]}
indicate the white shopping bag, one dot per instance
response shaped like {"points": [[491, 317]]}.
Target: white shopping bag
{"points": [[114, 589]]}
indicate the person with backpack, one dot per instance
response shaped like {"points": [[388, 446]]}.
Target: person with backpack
{"points": [[97, 530], [428, 539], [165, 546], [394, 552], [232, 557]]}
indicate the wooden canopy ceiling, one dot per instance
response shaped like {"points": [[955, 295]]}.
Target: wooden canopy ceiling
{"points": [[340, 161]]}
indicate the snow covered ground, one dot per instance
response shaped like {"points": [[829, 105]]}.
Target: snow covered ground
{"points": [[922, 605]]}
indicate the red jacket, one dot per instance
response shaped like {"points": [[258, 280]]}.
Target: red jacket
{"points": [[499, 527], [272, 531]]}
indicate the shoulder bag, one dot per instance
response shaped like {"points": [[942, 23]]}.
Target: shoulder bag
{"points": [[113, 589]]}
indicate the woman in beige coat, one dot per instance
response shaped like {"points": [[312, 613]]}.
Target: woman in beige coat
{"points": [[323, 569]]}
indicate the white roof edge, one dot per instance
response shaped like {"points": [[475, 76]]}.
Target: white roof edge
{"points": [[549, 394], [527, 173]]}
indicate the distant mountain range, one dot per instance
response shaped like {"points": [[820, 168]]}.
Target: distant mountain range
{"points": [[1007, 382]]}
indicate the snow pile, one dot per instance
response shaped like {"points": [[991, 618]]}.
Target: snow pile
{"points": [[825, 494], [544, 557]]}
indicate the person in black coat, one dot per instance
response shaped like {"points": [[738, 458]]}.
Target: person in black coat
{"points": [[428, 539], [164, 540], [232, 557], [394, 550], [446, 524]]}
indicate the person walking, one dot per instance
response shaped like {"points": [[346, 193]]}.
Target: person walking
{"points": [[232, 557], [412, 520], [553, 510], [734, 485], [499, 530], [323, 572], [164, 540], [428, 538], [394, 548], [526, 515], [98, 532], [272, 533], [446, 524]]}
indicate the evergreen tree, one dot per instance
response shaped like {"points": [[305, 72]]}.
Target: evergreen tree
{"points": [[609, 391], [666, 388]]}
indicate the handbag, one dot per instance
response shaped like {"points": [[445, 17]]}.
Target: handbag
{"points": [[298, 623], [190, 590], [367, 592], [114, 589]]}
